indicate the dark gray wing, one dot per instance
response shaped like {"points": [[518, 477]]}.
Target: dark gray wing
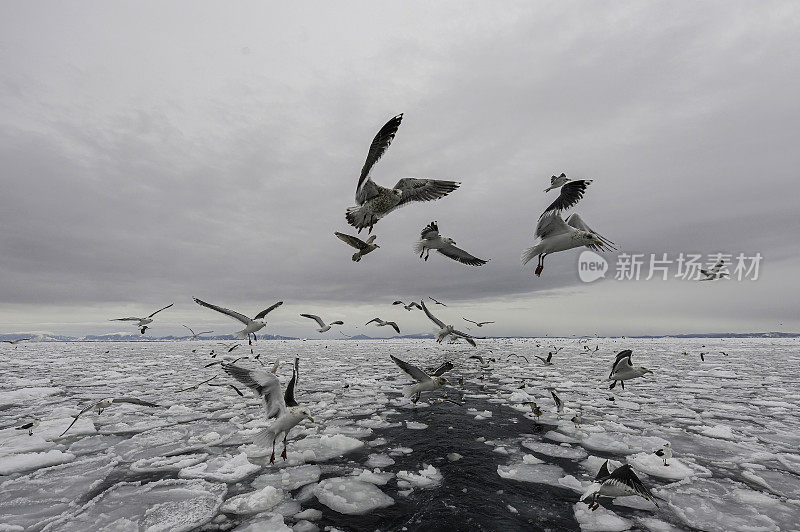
{"points": [[366, 189], [624, 357], [550, 225], [413, 371], [431, 231], [571, 194], [159, 310], [603, 473], [268, 310], [315, 318], [626, 476], [228, 312], [394, 326], [264, 383], [351, 241], [444, 368], [433, 318], [461, 256], [288, 397], [414, 189], [133, 401], [556, 399]]}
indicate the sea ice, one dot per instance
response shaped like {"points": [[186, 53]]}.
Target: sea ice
{"points": [[351, 496], [223, 468]]}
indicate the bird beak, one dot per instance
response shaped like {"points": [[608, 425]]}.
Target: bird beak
{"points": [[650, 371], [598, 242], [311, 418], [448, 382]]}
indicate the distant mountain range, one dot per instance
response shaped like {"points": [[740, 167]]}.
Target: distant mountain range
{"points": [[135, 337]]}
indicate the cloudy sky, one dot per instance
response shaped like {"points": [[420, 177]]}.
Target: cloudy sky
{"points": [[157, 151]]}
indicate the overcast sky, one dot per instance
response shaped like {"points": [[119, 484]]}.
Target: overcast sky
{"points": [[155, 151]]}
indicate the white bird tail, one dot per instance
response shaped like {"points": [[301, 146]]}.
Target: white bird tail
{"points": [[409, 391], [359, 217], [419, 247], [265, 438], [530, 253]]}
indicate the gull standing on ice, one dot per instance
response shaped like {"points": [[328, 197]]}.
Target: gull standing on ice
{"points": [[571, 192], [665, 452], [623, 369], [251, 325], [411, 305], [425, 383], [375, 201], [143, 322], [446, 330], [107, 402], [556, 235], [431, 239], [323, 326], [285, 409], [363, 247], [622, 482], [479, 323], [382, 323], [196, 336]]}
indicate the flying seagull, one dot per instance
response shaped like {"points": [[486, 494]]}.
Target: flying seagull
{"points": [[323, 326], [556, 235], [665, 452], [623, 369], [251, 326], [285, 409], [558, 402], [195, 335], [571, 192], [425, 383], [382, 323], [547, 361], [143, 322], [410, 306], [375, 201], [436, 301], [363, 247], [446, 330], [623, 481], [479, 323], [431, 239], [714, 273], [107, 402], [17, 341]]}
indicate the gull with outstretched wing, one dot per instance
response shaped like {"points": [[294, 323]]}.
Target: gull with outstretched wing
{"points": [[251, 325]]}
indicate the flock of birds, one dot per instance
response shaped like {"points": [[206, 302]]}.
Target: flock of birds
{"points": [[374, 202]]}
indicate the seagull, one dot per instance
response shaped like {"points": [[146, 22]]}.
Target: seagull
{"points": [[375, 201], [556, 235], [425, 383], [535, 409], [143, 322], [411, 305], [558, 402], [623, 369], [30, 426], [665, 452], [430, 239], [436, 301], [571, 192], [714, 273], [382, 323], [107, 402], [285, 409], [577, 419], [546, 361], [195, 335], [446, 330], [362, 247], [623, 481], [323, 327], [17, 341], [479, 323], [251, 326]]}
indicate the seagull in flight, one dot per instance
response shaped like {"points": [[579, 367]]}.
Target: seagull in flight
{"points": [[195, 335], [623, 481], [479, 323], [283, 407], [623, 369], [559, 403], [431, 239], [251, 325], [143, 322], [571, 192], [382, 323], [323, 326], [106, 403], [547, 361], [363, 247], [557, 235], [17, 341], [424, 382], [436, 302], [375, 201], [410, 306], [714, 273], [446, 330]]}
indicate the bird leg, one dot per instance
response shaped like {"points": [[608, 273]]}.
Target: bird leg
{"points": [[272, 458], [283, 454], [612, 385], [540, 266], [622, 383], [428, 254], [665, 462]]}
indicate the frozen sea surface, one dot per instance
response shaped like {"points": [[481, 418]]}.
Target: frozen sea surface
{"points": [[372, 460]]}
